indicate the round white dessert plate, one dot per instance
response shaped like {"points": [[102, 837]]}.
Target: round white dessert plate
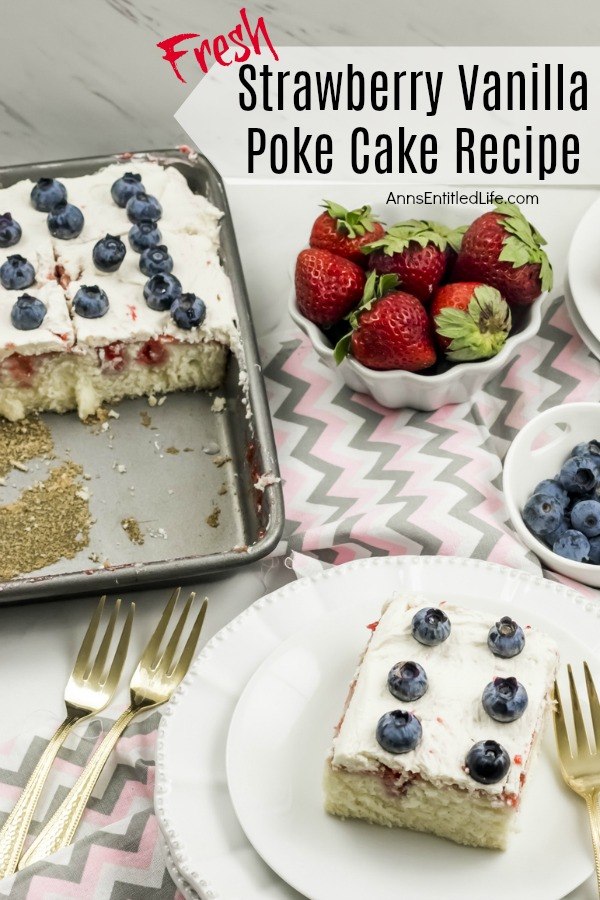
{"points": [[283, 759], [583, 266], [592, 343]]}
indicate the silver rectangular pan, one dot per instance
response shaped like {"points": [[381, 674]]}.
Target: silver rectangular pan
{"points": [[185, 473]]}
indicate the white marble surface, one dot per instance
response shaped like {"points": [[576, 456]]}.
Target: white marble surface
{"points": [[87, 78]]}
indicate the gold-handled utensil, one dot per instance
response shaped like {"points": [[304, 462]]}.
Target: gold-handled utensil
{"points": [[580, 763], [90, 688], [157, 675]]}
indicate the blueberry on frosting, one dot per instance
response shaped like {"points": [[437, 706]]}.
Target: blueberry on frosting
{"points": [[487, 762], [65, 221], [10, 231], [430, 626], [188, 311], [144, 234], [90, 302], [161, 291], [126, 187], [27, 313], [506, 639], [143, 206], [47, 193], [398, 731], [16, 273], [504, 699], [155, 260], [407, 681], [109, 253]]}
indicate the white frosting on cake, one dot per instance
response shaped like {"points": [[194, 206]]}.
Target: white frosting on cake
{"points": [[451, 711], [189, 228], [55, 334]]}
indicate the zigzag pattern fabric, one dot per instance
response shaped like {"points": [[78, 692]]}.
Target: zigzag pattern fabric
{"points": [[358, 480]]}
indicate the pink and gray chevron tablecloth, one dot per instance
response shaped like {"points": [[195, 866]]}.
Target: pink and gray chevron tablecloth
{"points": [[358, 480]]}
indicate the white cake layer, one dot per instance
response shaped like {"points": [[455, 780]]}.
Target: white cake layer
{"points": [[55, 334], [451, 712], [36, 242], [129, 318]]}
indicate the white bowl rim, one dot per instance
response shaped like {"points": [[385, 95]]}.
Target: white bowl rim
{"points": [[547, 416], [494, 364]]}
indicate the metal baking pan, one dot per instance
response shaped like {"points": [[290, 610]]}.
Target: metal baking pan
{"points": [[165, 466]]}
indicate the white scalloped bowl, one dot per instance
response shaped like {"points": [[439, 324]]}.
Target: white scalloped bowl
{"points": [[538, 452], [396, 388]]}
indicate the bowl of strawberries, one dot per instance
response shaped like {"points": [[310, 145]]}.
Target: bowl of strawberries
{"points": [[420, 314]]}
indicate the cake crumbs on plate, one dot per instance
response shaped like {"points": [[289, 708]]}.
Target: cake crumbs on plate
{"points": [[212, 520], [146, 419], [48, 522], [220, 461], [219, 404], [222, 490], [172, 450], [22, 441], [132, 529]]}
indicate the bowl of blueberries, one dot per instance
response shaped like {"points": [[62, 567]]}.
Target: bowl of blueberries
{"points": [[552, 489]]}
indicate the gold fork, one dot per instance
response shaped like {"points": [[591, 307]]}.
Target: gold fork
{"points": [[581, 767], [156, 677], [90, 688]]}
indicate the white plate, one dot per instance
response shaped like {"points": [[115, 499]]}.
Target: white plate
{"points": [[192, 801], [584, 269], [278, 740], [583, 331]]}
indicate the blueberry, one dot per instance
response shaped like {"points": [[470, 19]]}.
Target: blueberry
{"points": [[587, 448], [430, 626], [398, 731], [90, 302], [579, 475], [188, 311], [10, 231], [550, 539], [572, 545], [47, 193], [407, 681], [585, 517], [16, 273], [161, 290], [542, 514], [109, 253], [506, 639], [144, 234], [553, 488], [487, 762], [155, 260], [594, 551], [27, 313], [504, 699], [126, 187], [65, 221], [143, 206]]}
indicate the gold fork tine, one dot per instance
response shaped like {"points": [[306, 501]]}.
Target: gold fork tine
{"points": [[150, 655], [560, 727], [190, 647], [116, 667], [594, 704], [581, 742], [102, 655], [167, 657], [81, 663]]}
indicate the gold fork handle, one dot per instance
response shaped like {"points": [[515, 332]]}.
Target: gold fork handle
{"points": [[593, 805], [14, 831], [61, 828]]}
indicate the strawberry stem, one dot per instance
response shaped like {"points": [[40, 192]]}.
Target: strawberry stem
{"points": [[353, 223]]}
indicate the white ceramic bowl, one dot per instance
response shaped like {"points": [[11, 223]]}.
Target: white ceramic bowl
{"points": [[396, 388], [538, 452]]}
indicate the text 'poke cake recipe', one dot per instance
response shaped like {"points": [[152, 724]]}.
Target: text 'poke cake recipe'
{"points": [[442, 723], [110, 286]]}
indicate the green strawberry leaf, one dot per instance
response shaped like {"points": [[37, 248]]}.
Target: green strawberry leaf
{"points": [[515, 251], [455, 236], [398, 237], [523, 243], [353, 223], [342, 348], [478, 332], [546, 274], [376, 287]]}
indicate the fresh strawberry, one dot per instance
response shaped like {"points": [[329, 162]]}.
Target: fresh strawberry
{"points": [[472, 321], [417, 252], [345, 232], [328, 287], [390, 329], [502, 249]]}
